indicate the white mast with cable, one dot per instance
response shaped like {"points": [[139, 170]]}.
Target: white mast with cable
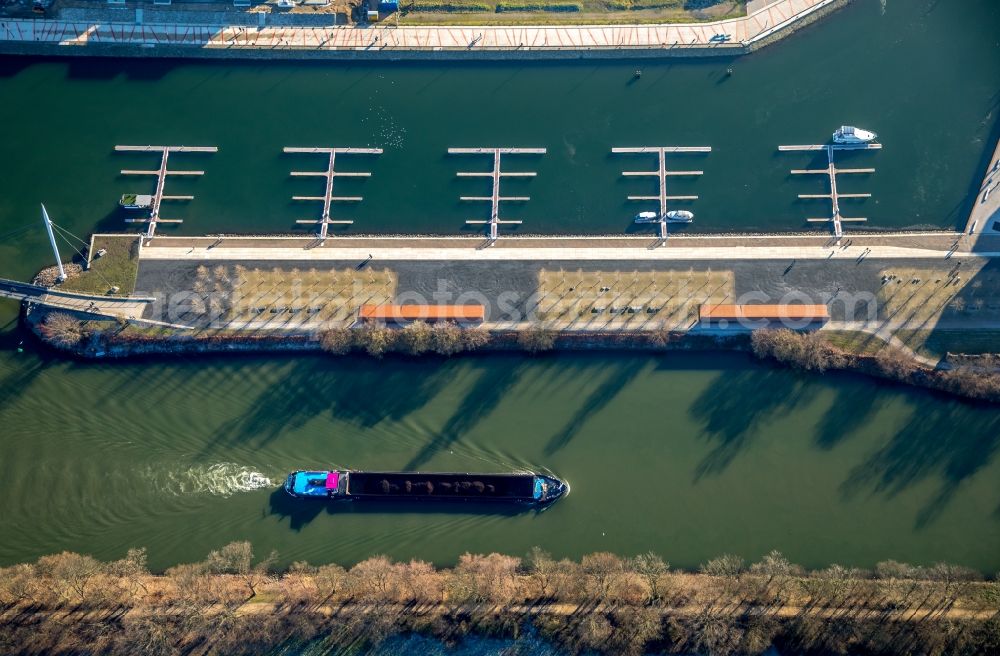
{"points": [[52, 238]]}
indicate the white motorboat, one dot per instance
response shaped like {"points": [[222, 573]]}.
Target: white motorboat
{"points": [[647, 217], [679, 216], [848, 134]]}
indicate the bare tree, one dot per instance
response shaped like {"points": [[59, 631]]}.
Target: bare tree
{"points": [[727, 567], [298, 584], [487, 578], [718, 635], [474, 338], [237, 558], [952, 580], [808, 351], [17, 584], [602, 570], [535, 339], [651, 568], [542, 568], [895, 363], [421, 581], [775, 571], [193, 586], [374, 579], [330, 580], [446, 338], [71, 574], [415, 338], [130, 573], [62, 329], [336, 340], [375, 339]]}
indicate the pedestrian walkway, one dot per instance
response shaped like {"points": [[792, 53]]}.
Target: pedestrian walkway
{"points": [[728, 35], [104, 306], [500, 253]]}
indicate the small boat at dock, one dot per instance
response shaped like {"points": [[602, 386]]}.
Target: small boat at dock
{"points": [[136, 201], [852, 136], [522, 488], [679, 216], [647, 217]]}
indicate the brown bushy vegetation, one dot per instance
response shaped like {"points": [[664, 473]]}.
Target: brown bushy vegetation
{"points": [[233, 603], [415, 338], [812, 352], [63, 330], [807, 351], [971, 382], [535, 339]]}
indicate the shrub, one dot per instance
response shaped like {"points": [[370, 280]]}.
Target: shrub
{"points": [[972, 383], [537, 6], [336, 340], [807, 351], [447, 7], [63, 330], [446, 338], [415, 338], [474, 338], [536, 339], [637, 5], [375, 340], [895, 363]]}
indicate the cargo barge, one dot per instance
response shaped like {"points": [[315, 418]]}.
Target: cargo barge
{"points": [[335, 485]]}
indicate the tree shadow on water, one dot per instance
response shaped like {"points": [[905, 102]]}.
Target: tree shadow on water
{"points": [[355, 389], [949, 441], [15, 383], [852, 408], [736, 402], [623, 374], [479, 401]]}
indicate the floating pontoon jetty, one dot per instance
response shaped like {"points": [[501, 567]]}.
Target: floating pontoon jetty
{"points": [[661, 174], [494, 199], [161, 179], [330, 173], [831, 170]]}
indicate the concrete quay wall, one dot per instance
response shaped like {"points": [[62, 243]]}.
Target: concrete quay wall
{"points": [[377, 43]]}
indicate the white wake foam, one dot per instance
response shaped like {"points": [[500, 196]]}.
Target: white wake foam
{"points": [[221, 479]]}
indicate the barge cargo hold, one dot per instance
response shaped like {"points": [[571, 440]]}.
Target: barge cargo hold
{"points": [[525, 488]]}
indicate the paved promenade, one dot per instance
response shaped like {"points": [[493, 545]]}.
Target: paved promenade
{"points": [[742, 33], [542, 254]]}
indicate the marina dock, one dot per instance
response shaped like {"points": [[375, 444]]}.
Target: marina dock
{"points": [[496, 174], [161, 179], [661, 174], [831, 171], [329, 174]]}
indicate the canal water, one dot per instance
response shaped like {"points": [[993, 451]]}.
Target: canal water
{"points": [[689, 455]]}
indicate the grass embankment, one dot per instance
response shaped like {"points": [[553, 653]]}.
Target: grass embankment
{"points": [[233, 603], [118, 267], [565, 12], [933, 344], [939, 343]]}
